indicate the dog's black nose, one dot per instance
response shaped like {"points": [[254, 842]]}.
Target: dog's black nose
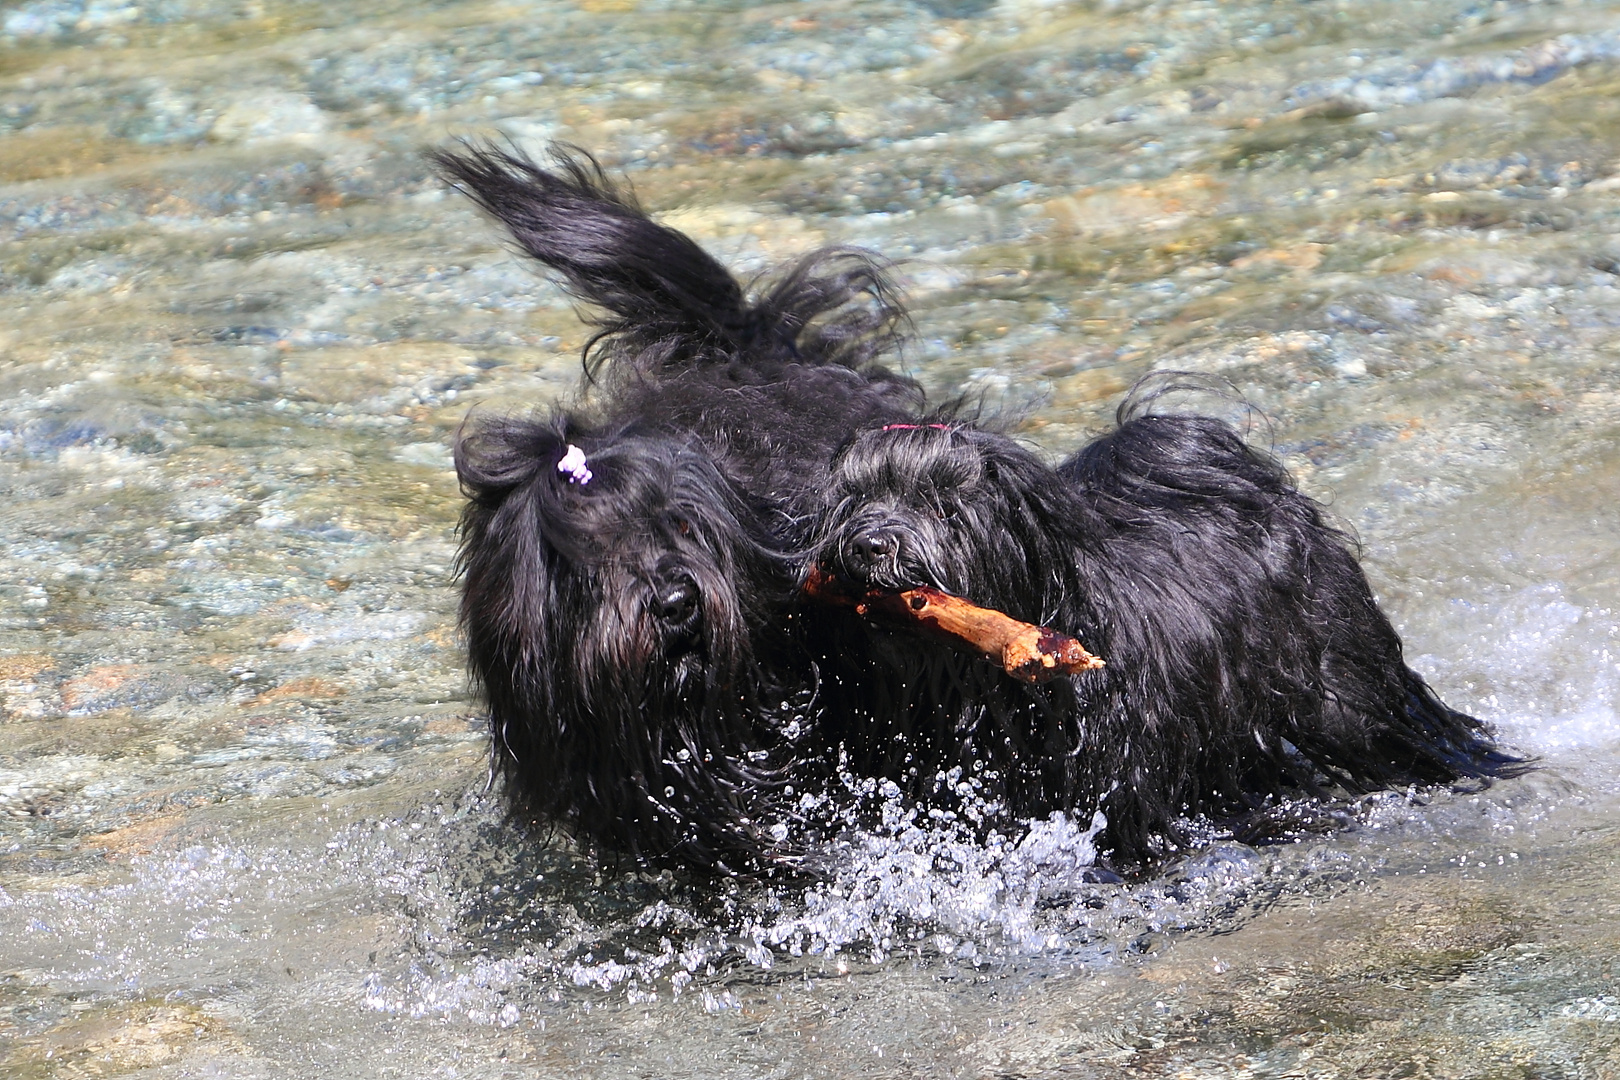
{"points": [[871, 548], [677, 602]]}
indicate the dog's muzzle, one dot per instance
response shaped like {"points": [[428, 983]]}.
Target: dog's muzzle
{"points": [[676, 604], [872, 556]]}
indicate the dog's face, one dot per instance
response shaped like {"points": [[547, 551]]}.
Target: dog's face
{"points": [[974, 514], [950, 507], [613, 588]]}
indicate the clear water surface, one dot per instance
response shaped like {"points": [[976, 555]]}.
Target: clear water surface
{"points": [[243, 828]]}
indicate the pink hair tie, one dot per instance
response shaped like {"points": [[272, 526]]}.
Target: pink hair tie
{"points": [[915, 427], [574, 466]]}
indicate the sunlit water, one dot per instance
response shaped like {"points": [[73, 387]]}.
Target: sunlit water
{"points": [[243, 825]]}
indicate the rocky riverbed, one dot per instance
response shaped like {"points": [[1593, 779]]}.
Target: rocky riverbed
{"points": [[243, 821]]}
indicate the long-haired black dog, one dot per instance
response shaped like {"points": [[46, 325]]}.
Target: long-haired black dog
{"points": [[628, 564], [1246, 658], [629, 568]]}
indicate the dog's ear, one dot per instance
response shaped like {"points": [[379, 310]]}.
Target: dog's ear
{"points": [[519, 477]]}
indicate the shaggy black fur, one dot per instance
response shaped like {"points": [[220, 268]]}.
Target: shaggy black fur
{"points": [[628, 628], [630, 566], [1246, 657]]}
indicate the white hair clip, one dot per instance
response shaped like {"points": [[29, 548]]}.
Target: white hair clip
{"points": [[573, 463]]}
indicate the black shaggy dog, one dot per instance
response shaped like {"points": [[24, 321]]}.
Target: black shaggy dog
{"points": [[1246, 659], [631, 565], [628, 564]]}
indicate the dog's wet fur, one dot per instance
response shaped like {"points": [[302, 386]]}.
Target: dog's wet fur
{"points": [[1246, 658], [631, 563]]}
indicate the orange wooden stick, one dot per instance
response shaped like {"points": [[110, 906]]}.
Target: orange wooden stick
{"points": [[1025, 651]]}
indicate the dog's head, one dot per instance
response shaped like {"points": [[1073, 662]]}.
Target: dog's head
{"points": [[949, 506], [975, 514], [613, 596]]}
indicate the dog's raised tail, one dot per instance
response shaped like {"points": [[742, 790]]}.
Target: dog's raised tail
{"points": [[666, 302], [595, 237]]}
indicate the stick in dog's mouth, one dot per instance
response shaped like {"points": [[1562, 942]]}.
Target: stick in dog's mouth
{"points": [[1025, 651]]}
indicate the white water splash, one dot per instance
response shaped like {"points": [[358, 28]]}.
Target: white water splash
{"points": [[1543, 669]]}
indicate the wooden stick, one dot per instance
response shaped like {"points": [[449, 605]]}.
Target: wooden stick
{"points": [[1025, 651]]}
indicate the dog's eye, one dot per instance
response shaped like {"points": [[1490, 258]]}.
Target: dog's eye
{"points": [[683, 526]]}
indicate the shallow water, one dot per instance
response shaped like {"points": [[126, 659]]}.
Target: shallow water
{"points": [[242, 822]]}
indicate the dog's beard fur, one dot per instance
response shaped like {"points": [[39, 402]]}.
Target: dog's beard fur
{"points": [[1246, 657]]}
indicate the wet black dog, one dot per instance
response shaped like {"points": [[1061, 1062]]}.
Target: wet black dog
{"points": [[628, 564], [1246, 657], [630, 568]]}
